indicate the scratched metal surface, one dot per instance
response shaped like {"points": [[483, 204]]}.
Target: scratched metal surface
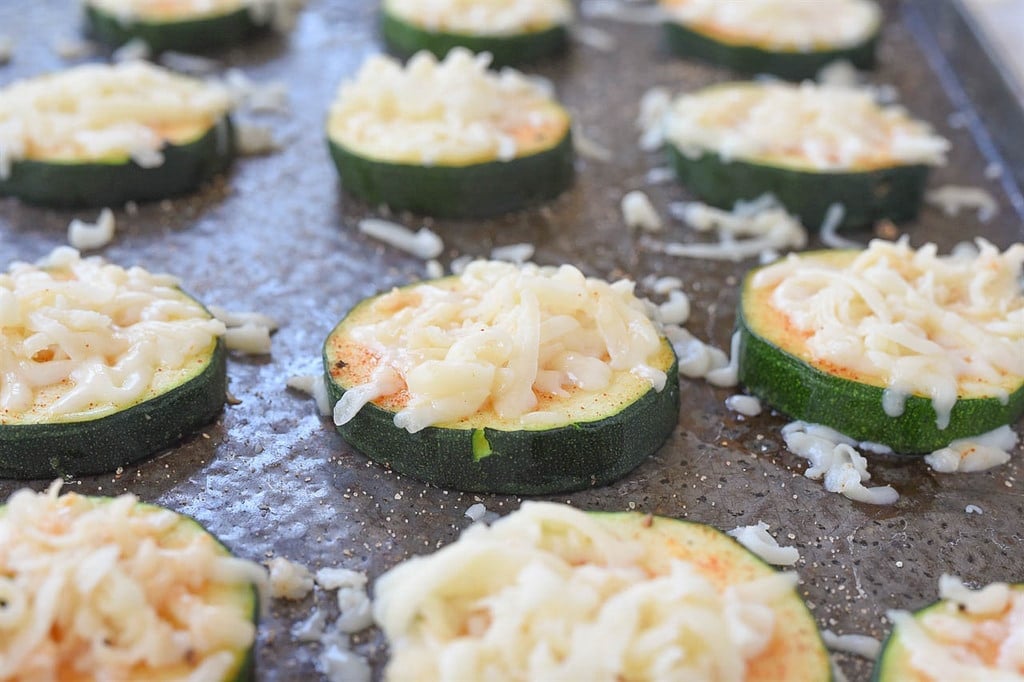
{"points": [[271, 477]]}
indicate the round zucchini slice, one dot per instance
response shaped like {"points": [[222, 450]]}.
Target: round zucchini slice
{"points": [[459, 409], [99, 135], [811, 146], [513, 32], [861, 342], [449, 139], [656, 592], [923, 646], [183, 25], [792, 40], [103, 367], [116, 563]]}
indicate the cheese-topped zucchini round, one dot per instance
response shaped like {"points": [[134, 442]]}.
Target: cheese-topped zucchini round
{"points": [[553, 593], [793, 39], [512, 31], [967, 635], [100, 366], [99, 135], [504, 379], [449, 138], [102, 588], [811, 146], [187, 25], [889, 345]]}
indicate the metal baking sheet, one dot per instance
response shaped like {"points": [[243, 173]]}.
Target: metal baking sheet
{"points": [[271, 477]]}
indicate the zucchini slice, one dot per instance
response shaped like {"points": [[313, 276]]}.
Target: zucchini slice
{"points": [[513, 32], [99, 135], [449, 138], [119, 565], [922, 646], [529, 596], [95, 380], [740, 140], [860, 342], [184, 26], [792, 40], [476, 421]]}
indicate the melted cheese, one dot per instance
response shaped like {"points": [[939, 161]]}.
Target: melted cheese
{"points": [[454, 112], [482, 18], [81, 338], [908, 320], [105, 113], [530, 347], [968, 636], [97, 588], [167, 10], [780, 25], [552, 593], [805, 126]]}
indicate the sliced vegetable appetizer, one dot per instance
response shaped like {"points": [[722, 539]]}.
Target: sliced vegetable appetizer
{"points": [[509, 379], [966, 635], [811, 146], [512, 31], [185, 25], [449, 138], [551, 592], [888, 345], [101, 366], [792, 39], [104, 588], [99, 135]]}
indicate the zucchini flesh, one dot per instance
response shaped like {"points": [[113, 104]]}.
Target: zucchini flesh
{"points": [[477, 190], [406, 39], [894, 192], [482, 454], [894, 664], [46, 450], [794, 65], [196, 34], [112, 182], [771, 368]]}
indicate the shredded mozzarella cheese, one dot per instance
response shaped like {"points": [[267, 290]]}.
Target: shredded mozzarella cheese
{"points": [[453, 112], [909, 320], [805, 126], [759, 541], [783, 25], [550, 592], [497, 338], [82, 338], [476, 18], [112, 589], [100, 112]]}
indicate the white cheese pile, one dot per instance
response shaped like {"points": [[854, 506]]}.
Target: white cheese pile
{"points": [[111, 591], [490, 18], [551, 593], [451, 112], [498, 338], [977, 453], [914, 322], [96, 111], [806, 126], [781, 25], [946, 644], [80, 338]]}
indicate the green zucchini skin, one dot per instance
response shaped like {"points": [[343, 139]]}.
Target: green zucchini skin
{"points": [[406, 39], [802, 391], [563, 459], [95, 184], [478, 190], [790, 65], [868, 196], [186, 35], [102, 445]]}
